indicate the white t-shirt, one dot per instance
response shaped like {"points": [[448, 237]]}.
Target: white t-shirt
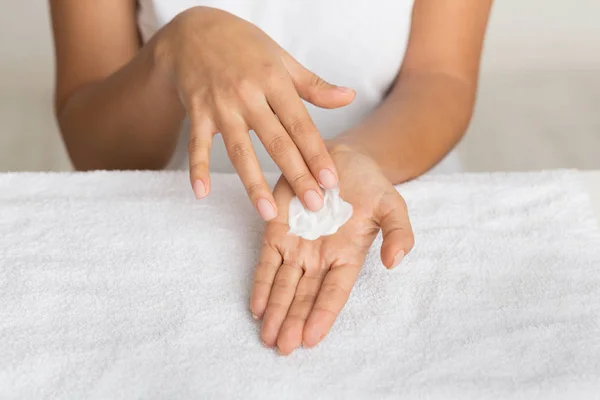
{"points": [[354, 43]]}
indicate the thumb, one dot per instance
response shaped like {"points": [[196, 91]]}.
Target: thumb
{"points": [[398, 238], [314, 89]]}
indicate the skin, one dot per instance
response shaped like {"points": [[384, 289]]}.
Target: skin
{"points": [[300, 286], [120, 104]]}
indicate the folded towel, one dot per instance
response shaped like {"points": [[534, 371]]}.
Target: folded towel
{"points": [[122, 286]]}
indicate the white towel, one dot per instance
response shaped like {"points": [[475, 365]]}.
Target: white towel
{"points": [[122, 286]]}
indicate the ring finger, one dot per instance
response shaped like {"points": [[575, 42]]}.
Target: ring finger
{"points": [[282, 295]]}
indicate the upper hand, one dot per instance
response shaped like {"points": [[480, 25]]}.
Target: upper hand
{"points": [[232, 77], [300, 286]]}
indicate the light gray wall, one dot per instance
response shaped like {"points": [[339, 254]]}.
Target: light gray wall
{"points": [[525, 37], [29, 138], [539, 99], [543, 34]]}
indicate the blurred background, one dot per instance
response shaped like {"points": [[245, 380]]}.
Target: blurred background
{"points": [[538, 107]]}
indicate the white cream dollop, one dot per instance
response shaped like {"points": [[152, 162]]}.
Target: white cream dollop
{"points": [[311, 225]]}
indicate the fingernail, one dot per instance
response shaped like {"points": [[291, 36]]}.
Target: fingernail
{"points": [[398, 259], [313, 201], [266, 209], [254, 316], [328, 179], [199, 189], [344, 89]]}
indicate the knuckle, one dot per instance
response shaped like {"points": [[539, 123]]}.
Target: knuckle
{"points": [[194, 102], [199, 146], [392, 206], [244, 85], [262, 282], [238, 153], [194, 144], [278, 146], [222, 106], [253, 188], [305, 300], [199, 166], [275, 79], [290, 334], [247, 91], [293, 263], [268, 264], [394, 230], [315, 272], [326, 310], [275, 306], [332, 290], [301, 126], [283, 283], [299, 178], [290, 319], [317, 81], [267, 242], [268, 66], [316, 159]]}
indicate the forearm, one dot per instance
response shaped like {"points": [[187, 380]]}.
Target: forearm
{"points": [[421, 120], [130, 120]]}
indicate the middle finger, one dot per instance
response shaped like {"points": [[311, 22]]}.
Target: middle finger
{"points": [[286, 155], [290, 334], [291, 111], [332, 297]]}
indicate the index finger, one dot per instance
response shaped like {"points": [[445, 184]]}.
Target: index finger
{"points": [[287, 105], [332, 297]]}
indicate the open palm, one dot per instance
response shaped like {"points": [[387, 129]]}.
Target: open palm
{"points": [[300, 286]]}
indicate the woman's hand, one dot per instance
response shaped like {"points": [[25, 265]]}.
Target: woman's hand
{"points": [[231, 77], [300, 286]]}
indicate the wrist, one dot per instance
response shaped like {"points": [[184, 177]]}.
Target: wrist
{"points": [[345, 144], [393, 167]]}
